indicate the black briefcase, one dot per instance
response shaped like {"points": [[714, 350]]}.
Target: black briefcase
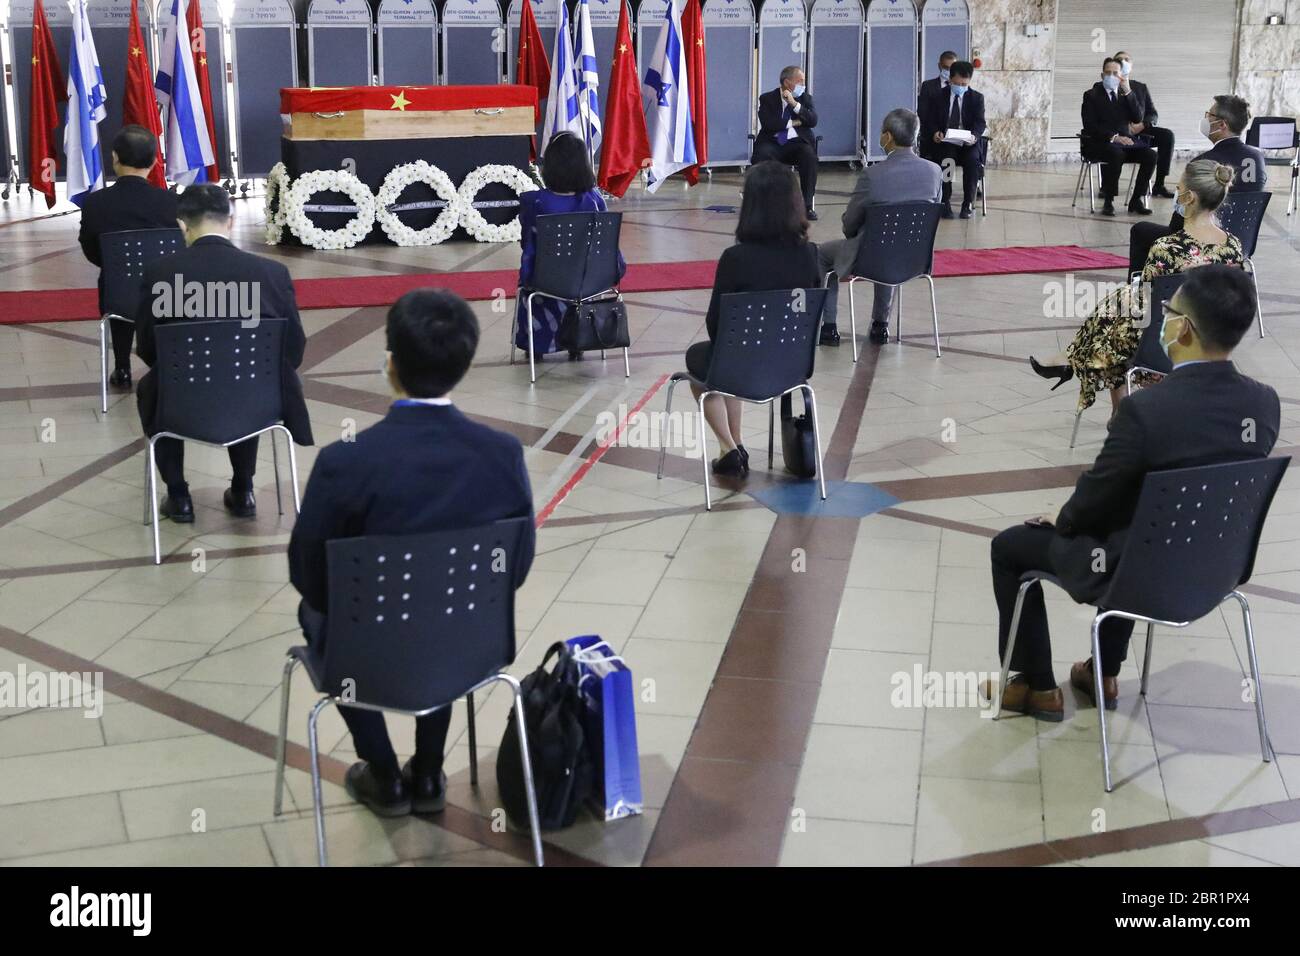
{"points": [[798, 441]]}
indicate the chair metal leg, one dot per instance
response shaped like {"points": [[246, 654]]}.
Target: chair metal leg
{"points": [[1078, 186], [853, 319], [514, 325], [153, 502], [1074, 432], [898, 313], [704, 455], [144, 498], [529, 786], [473, 738], [532, 356], [275, 469], [664, 430], [934, 314], [627, 365], [1146, 656], [1092, 188], [103, 364], [1012, 634], [984, 195], [817, 438], [281, 742], [771, 431], [1265, 747], [318, 803], [1099, 696], [1259, 307]]}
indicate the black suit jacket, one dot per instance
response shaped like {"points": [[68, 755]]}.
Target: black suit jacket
{"points": [[933, 92], [940, 109], [419, 469], [1103, 119], [1148, 107], [1195, 416], [215, 259], [130, 203], [1248, 161], [770, 109]]}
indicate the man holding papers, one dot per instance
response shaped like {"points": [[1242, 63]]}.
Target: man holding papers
{"points": [[956, 115]]}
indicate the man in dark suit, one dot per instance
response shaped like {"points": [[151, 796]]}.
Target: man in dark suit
{"points": [[1109, 111], [935, 89], [264, 291], [956, 108], [786, 118], [1150, 126], [424, 467], [1204, 412], [1222, 124], [132, 202]]}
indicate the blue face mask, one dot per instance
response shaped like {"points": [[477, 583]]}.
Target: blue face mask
{"points": [[959, 90], [943, 75], [1111, 82], [799, 90]]}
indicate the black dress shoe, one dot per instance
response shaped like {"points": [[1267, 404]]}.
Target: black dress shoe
{"points": [[830, 336], [179, 509], [1161, 191], [1139, 208], [1108, 208], [121, 378], [385, 796], [946, 212], [730, 465], [966, 211], [575, 355], [878, 334], [744, 456], [428, 793], [812, 215], [241, 504]]}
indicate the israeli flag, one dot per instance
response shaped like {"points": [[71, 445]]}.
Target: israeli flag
{"points": [[562, 99], [668, 103], [588, 78], [86, 110], [185, 127]]}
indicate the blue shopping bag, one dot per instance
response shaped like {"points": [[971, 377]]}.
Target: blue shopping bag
{"points": [[606, 683]]}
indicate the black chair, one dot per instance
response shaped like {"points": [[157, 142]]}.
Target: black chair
{"points": [[1288, 133], [1090, 168], [1191, 546], [125, 255], [1242, 214], [765, 349], [415, 622], [1149, 357], [897, 245], [981, 188], [577, 261], [219, 383]]}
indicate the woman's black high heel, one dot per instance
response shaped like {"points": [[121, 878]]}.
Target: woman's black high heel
{"points": [[1061, 372]]}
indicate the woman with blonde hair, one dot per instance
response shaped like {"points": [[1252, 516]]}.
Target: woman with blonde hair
{"points": [[1108, 338]]}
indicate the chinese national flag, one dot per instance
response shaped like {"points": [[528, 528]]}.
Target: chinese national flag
{"points": [[625, 144], [198, 42], [697, 80], [532, 68], [139, 106], [43, 116]]}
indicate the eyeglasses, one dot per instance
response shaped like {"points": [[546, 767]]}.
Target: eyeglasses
{"points": [[1170, 313]]}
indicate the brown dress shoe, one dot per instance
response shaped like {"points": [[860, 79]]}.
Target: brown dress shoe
{"points": [[1081, 679], [1039, 704]]}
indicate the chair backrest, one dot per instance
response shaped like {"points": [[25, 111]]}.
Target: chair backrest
{"points": [[1289, 133], [1149, 353], [1193, 538], [415, 621], [218, 380], [766, 342], [125, 255], [897, 241], [1241, 215], [577, 253]]}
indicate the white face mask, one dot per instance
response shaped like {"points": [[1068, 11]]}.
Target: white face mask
{"points": [[1165, 346], [1125, 67], [1206, 126]]}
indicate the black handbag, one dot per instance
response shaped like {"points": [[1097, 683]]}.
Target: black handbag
{"points": [[798, 442], [554, 715], [599, 324]]}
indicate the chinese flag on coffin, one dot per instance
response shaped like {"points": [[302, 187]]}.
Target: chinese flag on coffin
{"points": [[696, 73], [198, 43], [139, 106], [532, 68], [43, 114], [625, 144]]}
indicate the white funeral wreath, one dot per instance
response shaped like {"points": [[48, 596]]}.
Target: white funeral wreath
{"points": [[277, 180], [329, 180], [395, 182], [472, 220]]}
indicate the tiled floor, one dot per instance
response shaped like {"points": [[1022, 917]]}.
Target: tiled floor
{"points": [[767, 648]]}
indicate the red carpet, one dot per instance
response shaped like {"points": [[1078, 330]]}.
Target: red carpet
{"points": [[354, 292]]}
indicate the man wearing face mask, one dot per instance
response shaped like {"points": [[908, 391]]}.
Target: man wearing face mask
{"points": [[1148, 126], [1222, 124], [1110, 109], [930, 104], [786, 118], [1192, 417], [957, 108]]}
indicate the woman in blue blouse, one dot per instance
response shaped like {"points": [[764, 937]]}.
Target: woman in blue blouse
{"points": [[570, 187]]}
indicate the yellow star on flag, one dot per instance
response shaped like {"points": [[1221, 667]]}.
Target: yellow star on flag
{"points": [[35, 61], [622, 48], [135, 51], [400, 102], [203, 61]]}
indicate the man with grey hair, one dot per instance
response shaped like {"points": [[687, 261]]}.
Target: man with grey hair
{"points": [[786, 117], [902, 177]]}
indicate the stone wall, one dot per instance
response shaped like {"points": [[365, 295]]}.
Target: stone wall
{"points": [[1268, 58], [1015, 74]]}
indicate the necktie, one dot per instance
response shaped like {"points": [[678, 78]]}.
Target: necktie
{"points": [[783, 137], [954, 118]]}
